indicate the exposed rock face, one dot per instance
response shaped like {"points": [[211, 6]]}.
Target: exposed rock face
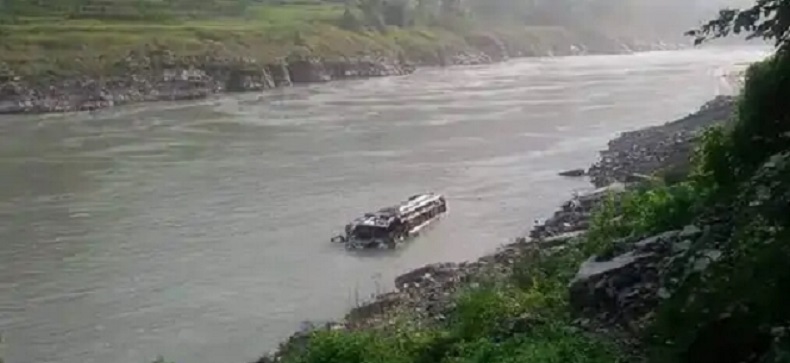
{"points": [[161, 77], [625, 287], [89, 94], [158, 74], [279, 74], [308, 71], [243, 80]]}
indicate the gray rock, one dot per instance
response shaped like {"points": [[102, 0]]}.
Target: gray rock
{"points": [[308, 71], [279, 74], [704, 259], [573, 173], [658, 243], [594, 269], [681, 246], [561, 239], [690, 231], [634, 156], [625, 288]]}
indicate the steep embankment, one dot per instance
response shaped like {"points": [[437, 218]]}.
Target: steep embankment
{"points": [[68, 65], [649, 269], [518, 302]]}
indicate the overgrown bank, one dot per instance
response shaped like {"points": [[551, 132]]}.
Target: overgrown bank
{"points": [[683, 262], [65, 63]]}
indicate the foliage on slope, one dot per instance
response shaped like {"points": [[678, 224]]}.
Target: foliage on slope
{"points": [[726, 300], [60, 38], [523, 319]]}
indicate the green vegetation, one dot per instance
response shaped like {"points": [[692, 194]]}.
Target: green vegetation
{"points": [[731, 308], [736, 307], [65, 38], [523, 319], [62, 38]]}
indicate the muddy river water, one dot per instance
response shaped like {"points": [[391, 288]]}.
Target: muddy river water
{"points": [[200, 231]]}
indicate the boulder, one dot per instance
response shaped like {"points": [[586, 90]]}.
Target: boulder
{"points": [[623, 288], [573, 173], [279, 74]]}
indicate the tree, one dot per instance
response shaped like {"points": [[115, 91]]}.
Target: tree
{"points": [[372, 12], [349, 21], [397, 13], [767, 19]]}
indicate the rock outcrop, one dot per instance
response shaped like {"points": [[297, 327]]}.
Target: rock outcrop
{"points": [[160, 76], [155, 74], [624, 287]]}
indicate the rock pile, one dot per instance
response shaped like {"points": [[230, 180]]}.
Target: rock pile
{"points": [[622, 288], [427, 293], [636, 154], [573, 218]]}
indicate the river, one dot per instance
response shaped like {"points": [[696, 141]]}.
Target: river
{"points": [[200, 230]]}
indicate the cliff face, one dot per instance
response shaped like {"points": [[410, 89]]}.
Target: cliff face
{"points": [[182, 79]]}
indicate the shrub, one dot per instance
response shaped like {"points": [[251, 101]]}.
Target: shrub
{"points": [[642, 212], [481, 311], [552, 343], [736, 308]]}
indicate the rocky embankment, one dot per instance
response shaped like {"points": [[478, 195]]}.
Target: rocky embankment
{"points": [[614, 293], [160, 75], [634, 155]]}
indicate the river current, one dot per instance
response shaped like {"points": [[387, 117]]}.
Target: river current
{"points": [[199, 231]]}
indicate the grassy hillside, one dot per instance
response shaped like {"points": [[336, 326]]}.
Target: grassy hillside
{"points": [[36, 45], [61, 38]]}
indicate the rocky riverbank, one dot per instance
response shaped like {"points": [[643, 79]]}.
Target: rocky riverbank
{"points": [[613, 293], [159, 74], [665, 148]]}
